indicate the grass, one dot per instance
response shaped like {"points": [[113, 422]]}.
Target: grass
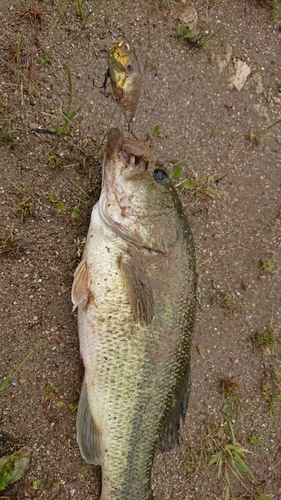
{"points": [[228, 301], [267, 264], [229, 387], [61, 12], [156, 132], [272, 398], [8, 379], [54, 199], [223, 455], [11, 244], [70, 114], [263, 134], [24, 208], [199, 42], [259, 495], [45, 61], [267, 339], [33, 14], [230, 459], [75, 212], [198, 185], [257, 442], [8, 133]]}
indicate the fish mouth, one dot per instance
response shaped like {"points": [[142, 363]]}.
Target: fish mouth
{"points": [[130, 165]]}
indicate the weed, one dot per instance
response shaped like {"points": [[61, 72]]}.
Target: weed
{"points": [[8, 133], [70, 113], [199, 186], [156, 132], [61, 12], [81, 12], [85, 198], [36, 484], [215, 128], [85, 470], [262, 134], [274, 15], [222, 450], [266, 339], [200, 42], [17, 50], [267, 264], [228, 301], [259, 495], [226, 454], [45, 61], [270, 397], [186, 33], [3, 105], [257, 442], [73, 407], [54, 160], [56, 487], [24, 207], [229, 388], [230, 457], [80, 246], [7, 380], [11, 244], [276, 378], [165, 2], [33, 14], [54, 199]]}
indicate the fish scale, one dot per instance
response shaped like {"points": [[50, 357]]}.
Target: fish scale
{"points": [[135, 291]]}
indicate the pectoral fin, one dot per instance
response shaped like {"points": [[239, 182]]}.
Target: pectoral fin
{"points": [[139, 291], [80, 290], [88, 435]]}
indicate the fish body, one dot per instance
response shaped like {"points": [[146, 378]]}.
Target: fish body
{"points": [[135, 291], [125, 77]]}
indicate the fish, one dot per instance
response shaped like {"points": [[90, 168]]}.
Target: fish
{"points": [[135, 291], [125, 77]]}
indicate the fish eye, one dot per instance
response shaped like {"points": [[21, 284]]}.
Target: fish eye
{"points": [[127, 47], [160, 176], [129, 68]]}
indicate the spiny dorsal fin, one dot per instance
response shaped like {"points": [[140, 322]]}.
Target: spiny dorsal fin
{"points": [[139, 291], [80, 289], [88, 435]]}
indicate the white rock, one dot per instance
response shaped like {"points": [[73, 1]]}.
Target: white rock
{"points": [[188, 15], [241, 71]]}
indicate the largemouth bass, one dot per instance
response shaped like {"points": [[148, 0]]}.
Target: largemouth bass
{"points": [[125, 77], [135, 292]]}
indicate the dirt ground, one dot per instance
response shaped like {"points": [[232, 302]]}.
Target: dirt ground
{"points": [[50, 178]]}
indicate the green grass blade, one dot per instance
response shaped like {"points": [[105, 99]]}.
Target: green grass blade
{"points": [[7, 380]]}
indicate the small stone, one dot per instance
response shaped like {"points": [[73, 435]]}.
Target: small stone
{"points": [[188, 15], [240, 74]]}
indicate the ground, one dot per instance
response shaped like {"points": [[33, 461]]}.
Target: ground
{"points": [[51, 154]]}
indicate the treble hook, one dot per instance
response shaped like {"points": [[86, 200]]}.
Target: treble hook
{"points": [[106, 76]]}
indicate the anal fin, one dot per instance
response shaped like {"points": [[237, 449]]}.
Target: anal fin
{"points": [[88, 434]]}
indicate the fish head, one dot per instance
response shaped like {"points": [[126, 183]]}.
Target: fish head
{"points": [[125, 77], [138, 201]]}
